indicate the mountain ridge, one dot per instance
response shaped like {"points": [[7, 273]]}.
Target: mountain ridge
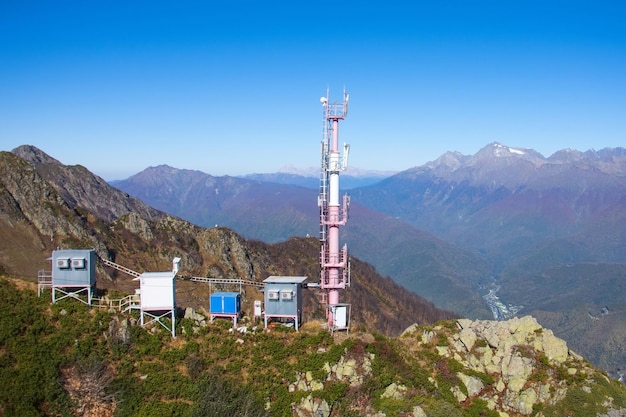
{"points": [[40, 212], [274, 212]]}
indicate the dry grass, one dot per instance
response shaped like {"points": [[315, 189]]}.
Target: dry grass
{"points": [[20, 283], [312, 326]]}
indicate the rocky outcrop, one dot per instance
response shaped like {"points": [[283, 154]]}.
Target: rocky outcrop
{"points": [[351, 371], [345, 370], [519, 356], [514, 368]]}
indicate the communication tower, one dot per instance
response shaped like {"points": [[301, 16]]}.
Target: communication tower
{"points": [[334, 263]]}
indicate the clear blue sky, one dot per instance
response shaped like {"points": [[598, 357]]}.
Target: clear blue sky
{"points": [[233, 87]]}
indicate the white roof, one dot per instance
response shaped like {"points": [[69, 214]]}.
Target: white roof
{"points": [[285, 280], [166, 274]]}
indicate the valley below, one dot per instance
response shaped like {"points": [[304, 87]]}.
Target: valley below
{"points": [[499, 309]]}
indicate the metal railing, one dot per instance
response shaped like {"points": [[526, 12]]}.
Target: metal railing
{"points": [[130, 302], [44, 280], [225, 281], [120, 268]]}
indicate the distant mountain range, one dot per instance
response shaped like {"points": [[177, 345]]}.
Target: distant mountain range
{"points": [[310, 177], [544, 236], [504, 201]]}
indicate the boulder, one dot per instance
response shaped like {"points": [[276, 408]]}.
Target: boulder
{"points": [[468, 338], [394, 391], [473, 384], [554, 348]]}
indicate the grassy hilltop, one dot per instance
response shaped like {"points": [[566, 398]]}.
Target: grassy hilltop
{"points": [[68, 359]]}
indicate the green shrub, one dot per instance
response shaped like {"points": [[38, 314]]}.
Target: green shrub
{"points": [[478, 408], [334, 391], [145, 343]]}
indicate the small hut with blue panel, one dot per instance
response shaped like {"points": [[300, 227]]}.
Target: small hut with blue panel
{"points": [[283, 299], [73, 274], [225, 304]]}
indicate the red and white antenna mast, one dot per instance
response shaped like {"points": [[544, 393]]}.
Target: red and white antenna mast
{"points": [[334, 263]]}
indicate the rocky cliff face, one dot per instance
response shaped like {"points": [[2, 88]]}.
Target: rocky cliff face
{"points": [[79, 187]]}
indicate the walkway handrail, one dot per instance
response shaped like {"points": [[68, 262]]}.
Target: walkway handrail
{"points": [[120, 267], [121, 304], [226, 281], [44, 280]]}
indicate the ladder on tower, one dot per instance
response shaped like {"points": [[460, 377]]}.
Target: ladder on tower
{"points": [[322, 200]]}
